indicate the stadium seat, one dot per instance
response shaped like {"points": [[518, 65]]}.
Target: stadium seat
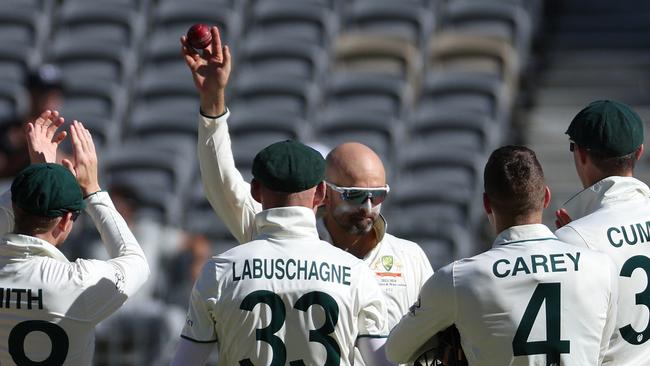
{"points": [[474, 54], [493, 19], [375, 92], [484, 95], [298, 20], [14, 61], [174, 18], [279, 57], [371, 52], [410, 22], [92, 62], [334, 126], [109, 22], [20, 24], [455, 129], [274, 94]]}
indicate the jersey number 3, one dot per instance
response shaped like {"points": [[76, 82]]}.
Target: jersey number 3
{"points": [[642, 298], [278, 315], [552, 347]]}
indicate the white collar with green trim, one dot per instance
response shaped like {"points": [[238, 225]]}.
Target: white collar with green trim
{"points": [[20, 247], [604, 192], [515, 234]]}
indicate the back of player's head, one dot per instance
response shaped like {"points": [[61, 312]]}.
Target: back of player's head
{"points": [[41, 193], [611, 133], [286, 172], [514, 181]]}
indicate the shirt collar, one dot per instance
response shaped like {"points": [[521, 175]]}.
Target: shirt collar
{"points": [[606, 191], [18, 247], [522, 233], [286, 222]]}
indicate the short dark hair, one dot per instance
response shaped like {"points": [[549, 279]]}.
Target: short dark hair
{"points": [[28, 224], [514, 181], [613, 165]]}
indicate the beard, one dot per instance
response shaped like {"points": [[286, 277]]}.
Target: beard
{"points": [[356, 219]]}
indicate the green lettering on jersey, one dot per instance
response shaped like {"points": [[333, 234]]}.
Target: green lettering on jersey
{"points": [[257, 268], [556, 261], [520, 266], [246, 272], [539, 260], [495, 268], [610, 231], [644, 234], [313, 271], [629, 241], [575, 260]]}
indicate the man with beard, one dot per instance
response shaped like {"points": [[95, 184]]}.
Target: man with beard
{"points": [[356, 187]]}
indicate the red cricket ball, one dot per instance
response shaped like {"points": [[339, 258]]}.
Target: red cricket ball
{"points": [[199, 36]]}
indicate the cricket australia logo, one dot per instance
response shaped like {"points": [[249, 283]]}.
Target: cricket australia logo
{"points": [[387, 262]]}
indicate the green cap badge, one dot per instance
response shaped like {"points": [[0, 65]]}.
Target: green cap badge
{"points": [[607, 127], [289, 167], [48, 190]]}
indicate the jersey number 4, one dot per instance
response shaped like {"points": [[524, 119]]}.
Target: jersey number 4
{"points": [[278, 315], [552, 347]]}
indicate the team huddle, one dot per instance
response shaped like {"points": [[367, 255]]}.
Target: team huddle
{"points": [[317, 279]]}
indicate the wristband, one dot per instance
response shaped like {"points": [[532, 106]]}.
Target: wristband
{"points": [[225, 110], [92, 194]]}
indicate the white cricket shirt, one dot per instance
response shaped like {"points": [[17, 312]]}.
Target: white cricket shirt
{"points": [[530, 300], [285, 297], [613, 217], [49, 306], [400, 266]]}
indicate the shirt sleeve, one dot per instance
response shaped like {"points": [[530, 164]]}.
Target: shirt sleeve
{"points": [[610, 332], [200, 325], [225, 188], [372, 309], [191, 353], [434, 311], [6, 213], [109, 283], [570, 235]]}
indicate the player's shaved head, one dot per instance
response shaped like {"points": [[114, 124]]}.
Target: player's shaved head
{"points": [[514, 181], [355, 164]]}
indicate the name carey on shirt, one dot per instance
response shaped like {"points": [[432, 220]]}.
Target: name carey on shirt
{"points": [[290, 269], [21, 298], [536, 263]]}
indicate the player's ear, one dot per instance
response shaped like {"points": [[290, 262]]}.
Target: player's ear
{"points": [[547, 196], [319, 194], [256, 190], [582, 154], [486, 204], [638, 152]]}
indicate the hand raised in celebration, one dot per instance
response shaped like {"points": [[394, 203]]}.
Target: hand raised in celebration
{"points": [[43, 138], [85, 163], [210, 71]]}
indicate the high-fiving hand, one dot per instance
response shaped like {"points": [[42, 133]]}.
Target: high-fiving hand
{"points": [[43, 138], [85, 163], [210, 71]]}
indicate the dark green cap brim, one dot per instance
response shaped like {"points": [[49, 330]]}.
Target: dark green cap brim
{"points": [[48, 190], [608, 127], [289, 167]]}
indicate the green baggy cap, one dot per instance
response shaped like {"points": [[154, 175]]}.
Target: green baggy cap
{"points": [[48, 190], [289, 167], [607, 127]]}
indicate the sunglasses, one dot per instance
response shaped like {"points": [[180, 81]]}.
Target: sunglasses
{"points": [[572, 146], [359, 195]]}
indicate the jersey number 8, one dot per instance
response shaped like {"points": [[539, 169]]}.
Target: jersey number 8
{"points": [[278, 315], [57, 335]]}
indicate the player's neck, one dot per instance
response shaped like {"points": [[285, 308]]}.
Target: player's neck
{"points": [[505, 222], [357, 245]]}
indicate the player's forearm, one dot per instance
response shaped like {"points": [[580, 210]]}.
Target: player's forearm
{"points": [[6, 213], [225, 188], [119, 241]]}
